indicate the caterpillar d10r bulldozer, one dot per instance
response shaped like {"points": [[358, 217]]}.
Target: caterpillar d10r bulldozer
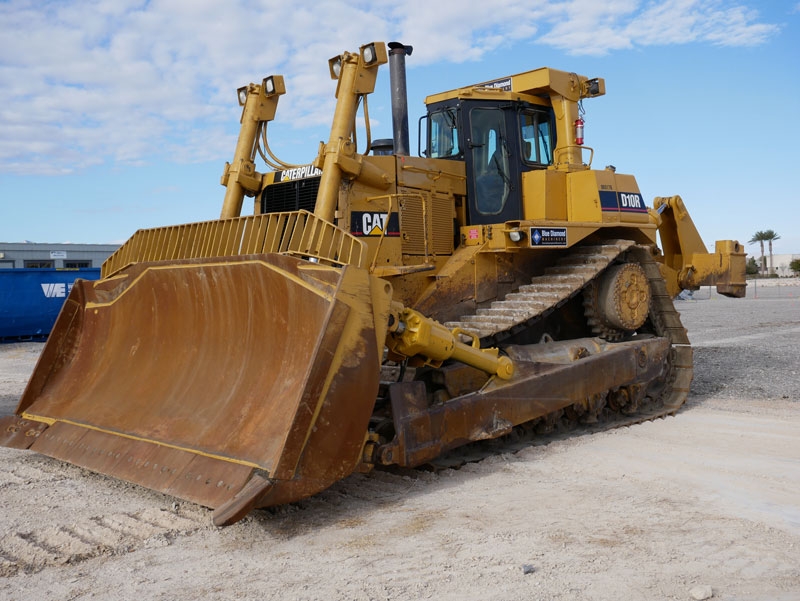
{"points": [[376, 308]]}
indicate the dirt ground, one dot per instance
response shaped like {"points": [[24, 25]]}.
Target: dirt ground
{"points": [[709, 498]]}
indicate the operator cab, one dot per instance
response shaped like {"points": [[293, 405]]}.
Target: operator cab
{"points": [[498, 141]]}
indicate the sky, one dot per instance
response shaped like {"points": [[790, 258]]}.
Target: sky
{"points": [[117, 115]]}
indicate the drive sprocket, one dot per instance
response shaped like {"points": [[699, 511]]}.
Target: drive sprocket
{"points": [[618, 301]]}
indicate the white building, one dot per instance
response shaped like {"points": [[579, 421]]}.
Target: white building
{"points": [[781, 263], [15, 255]]}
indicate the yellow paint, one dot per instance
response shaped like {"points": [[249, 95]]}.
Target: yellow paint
{"points": [[50, 422], [583, 196], [543, 194]]}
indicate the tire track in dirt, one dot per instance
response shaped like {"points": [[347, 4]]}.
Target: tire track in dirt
{"points": [[31, 550]]}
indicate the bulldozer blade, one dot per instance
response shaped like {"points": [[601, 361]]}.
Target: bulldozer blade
{"points": [[234, 382]]}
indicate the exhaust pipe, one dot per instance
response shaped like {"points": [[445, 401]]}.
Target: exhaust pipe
{"points": [[397, 79]]}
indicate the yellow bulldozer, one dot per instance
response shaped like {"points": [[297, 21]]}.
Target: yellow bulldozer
{"points": [[376, 308]]}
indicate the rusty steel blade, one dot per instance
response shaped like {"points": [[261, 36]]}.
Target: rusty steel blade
{"points": [[177, 472], [19, 433], [187, 376]]}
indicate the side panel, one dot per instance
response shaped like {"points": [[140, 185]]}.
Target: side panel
{"points": [[411, 222], [583, 203], [632, 207], [544, 195], [605, 196]]}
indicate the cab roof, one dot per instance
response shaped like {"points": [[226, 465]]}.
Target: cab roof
{"points": [[537, 86]]}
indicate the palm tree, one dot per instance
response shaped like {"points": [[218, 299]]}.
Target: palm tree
{"points": [[760, 236], [769, 236]]}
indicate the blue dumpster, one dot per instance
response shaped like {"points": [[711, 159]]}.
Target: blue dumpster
{"points": [[30, 299]]}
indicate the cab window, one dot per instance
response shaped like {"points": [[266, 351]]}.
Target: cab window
{"points": [[444, 142], [536, 137]]}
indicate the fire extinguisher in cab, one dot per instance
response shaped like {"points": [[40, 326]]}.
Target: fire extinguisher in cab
{"points": [[579, 123]]}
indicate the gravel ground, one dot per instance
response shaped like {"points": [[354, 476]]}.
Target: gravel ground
{"points": [[706, 502], [765, 331]]}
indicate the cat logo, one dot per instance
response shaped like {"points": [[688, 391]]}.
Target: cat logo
{"points": [[373, 223], [366, 223]]}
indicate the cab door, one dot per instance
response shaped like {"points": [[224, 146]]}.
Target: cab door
{"points": [[492, 163]]}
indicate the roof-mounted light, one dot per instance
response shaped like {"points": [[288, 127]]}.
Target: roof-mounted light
{"points": [[335, 66], [273, 85], [368, 54], [373, 53], [593, 87], [241, 93]]}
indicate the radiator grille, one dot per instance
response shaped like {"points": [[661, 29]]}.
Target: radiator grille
{"points": [[296, 195], [426, 224], [412, 225], [442, 225]]}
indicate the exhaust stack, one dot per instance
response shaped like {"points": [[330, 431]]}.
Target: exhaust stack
{"points": [[397, 78]]}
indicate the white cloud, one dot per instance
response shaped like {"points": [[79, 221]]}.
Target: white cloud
{"points": [[96, 81], [586, 27], [463, 31], [683, 21]]}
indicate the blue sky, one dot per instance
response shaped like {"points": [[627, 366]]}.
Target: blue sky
{"points": [[117, 115]]}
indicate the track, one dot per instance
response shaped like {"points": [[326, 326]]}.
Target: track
{"points": [[546, 293], [541, 300]]}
